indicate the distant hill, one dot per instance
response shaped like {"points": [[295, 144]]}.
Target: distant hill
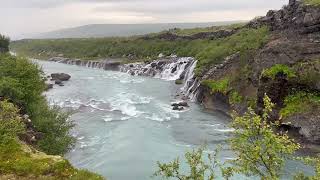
{"points": [[110, 30]]}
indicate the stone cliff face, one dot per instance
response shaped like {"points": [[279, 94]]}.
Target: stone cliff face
{"points": [[295, 43]]}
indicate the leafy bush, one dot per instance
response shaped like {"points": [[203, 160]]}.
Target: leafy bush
{"points": [[279, 68], [235, 97], [221, 86], [21, 82], [300, 102], [4, 44], [259, 152]]}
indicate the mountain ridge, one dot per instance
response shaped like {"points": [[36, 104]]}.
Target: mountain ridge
{"points": [[116, 30]]}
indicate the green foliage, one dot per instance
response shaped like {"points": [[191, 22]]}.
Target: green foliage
{"points": [[279, 68], [55, 125], [300, 102], [221, 86], [259, 150], [4, 44], [10, 127], [207, 51], [312, 2], [308, 72], [200, 168], [313, 162], [235, 97], [15, 158], [21, 82], [244, 42], [192, 31]]}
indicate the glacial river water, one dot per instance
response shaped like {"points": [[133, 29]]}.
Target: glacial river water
{"points": [[124, 124]]}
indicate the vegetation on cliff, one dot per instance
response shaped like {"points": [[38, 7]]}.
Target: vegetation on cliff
{"points": [[22, 83], [300, 102], [19, 161], [312, 2]]}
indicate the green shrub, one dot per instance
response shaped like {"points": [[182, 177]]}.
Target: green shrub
{"points": [[259, 152], [308, 72], [221, 86], [235, 97], [15, 158], [279, 68], [4, 44], [21, 82], [300, 102]]}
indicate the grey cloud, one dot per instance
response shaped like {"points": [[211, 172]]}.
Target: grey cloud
{"points": [[186, 6]]}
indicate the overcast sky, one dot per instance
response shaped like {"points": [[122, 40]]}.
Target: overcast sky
{"points": [[23, 17]]}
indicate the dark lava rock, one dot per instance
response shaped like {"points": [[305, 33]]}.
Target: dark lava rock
{"points": [[182, 103], [177, 108], [113, 66], [57, 81], [60, 76], [174, 69], [153, 64]]}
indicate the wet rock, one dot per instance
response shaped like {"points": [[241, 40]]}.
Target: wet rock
{"points": [[174, 69], [182, 103], [113, 66], [177, 108], [57, 81], [60, 76]]}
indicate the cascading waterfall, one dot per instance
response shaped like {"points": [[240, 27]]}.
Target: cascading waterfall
{"points": [[191, 83], [169, 69]]}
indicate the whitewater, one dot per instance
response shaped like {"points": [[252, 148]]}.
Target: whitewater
{"points": [[125, 122]]}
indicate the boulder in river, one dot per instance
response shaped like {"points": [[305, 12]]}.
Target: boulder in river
{"points": [[182, 103], [57, 81], [60, 76]]}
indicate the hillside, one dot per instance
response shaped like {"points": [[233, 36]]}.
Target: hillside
{"points": [[115, 30]]}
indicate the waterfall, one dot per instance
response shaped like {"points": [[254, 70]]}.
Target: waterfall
{"points": [[167, 69], [191, 83]]}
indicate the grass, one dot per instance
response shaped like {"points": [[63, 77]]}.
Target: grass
{"points": [[277, 69], [312, 2], [300, 102], [308, 72], [192, 31], [219, 86], [206, 51]]}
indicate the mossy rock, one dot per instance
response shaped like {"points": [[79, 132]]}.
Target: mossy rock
{"points": [[179, 81]]}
